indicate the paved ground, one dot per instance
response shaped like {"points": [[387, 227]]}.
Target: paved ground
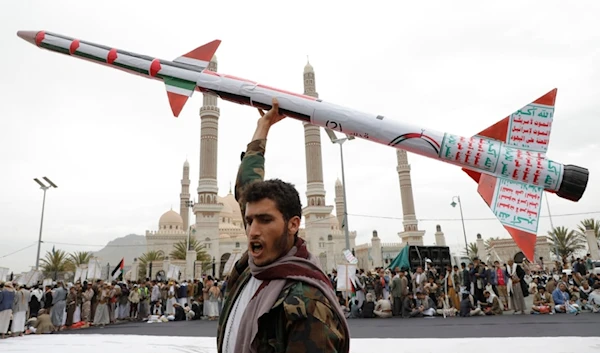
{"points": [[584, 325]]}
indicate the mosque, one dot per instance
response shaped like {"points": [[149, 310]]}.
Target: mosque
{"points": [[218, 219]]}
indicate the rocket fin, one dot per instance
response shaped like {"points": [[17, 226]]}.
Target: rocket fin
{"points": [[528, 128], [200, 56], [517, 206], [178, 92]]}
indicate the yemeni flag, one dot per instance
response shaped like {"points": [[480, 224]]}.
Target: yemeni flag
{"points": [[117, 273]]}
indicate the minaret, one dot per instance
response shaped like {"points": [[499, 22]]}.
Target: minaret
{"points": [[440, 239], [206, 208], [315, 190], [316, 212], [411, 234], [339, 202], [184, 197]]}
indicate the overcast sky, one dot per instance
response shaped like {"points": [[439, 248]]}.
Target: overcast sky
{"points": [[109, 141]]}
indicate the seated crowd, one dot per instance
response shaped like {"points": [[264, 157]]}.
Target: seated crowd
{"points": [[473, 290]]}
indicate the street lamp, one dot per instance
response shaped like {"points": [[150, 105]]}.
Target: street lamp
{"points": [[44, 187], [340, 141], [462, 218]]}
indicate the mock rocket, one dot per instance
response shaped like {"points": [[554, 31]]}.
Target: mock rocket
{"points": [[507, 160]]}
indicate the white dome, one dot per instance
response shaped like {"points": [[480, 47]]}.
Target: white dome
{"points": [[234, 206], [226, 211], [333, 222], [170, 218]]}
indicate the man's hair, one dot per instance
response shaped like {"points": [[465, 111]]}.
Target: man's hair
{"points": [[285, 196]]}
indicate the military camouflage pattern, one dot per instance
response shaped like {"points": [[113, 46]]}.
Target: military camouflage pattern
{"points": [[302, 318], [251, 169]]}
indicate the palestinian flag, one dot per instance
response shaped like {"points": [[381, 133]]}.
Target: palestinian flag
{"points": [[117, 273]]}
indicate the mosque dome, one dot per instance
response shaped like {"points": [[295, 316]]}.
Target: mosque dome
{"points": [[170, 219], [232, 203], [226, 211], [333, 222]]}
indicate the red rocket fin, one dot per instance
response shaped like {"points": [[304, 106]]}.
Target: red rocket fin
{"points": [[529, 127], [178, 92], [517, 206], [200, 56], [177, 101]]}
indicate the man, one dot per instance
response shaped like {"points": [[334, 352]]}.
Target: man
{"points": [[399, 288], [419, 279], [479, 277], [466, 279], [516, 286], [425, 304], [500, 280], [492, 305], [278, 299], [542, 302]]}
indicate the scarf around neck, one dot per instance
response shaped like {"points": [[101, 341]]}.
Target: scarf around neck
{"points": [[298, 265]]}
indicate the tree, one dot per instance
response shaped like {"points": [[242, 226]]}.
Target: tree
{"points": [[593, 223], [78, 258], [488, 242], [473, 251], [180, 251], [567, 241], [147, 258], [54, 262]]}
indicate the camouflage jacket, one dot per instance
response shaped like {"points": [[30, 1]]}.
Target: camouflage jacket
{"points": [[302, 318]]}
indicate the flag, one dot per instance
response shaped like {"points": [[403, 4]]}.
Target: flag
{"points": [[117, 273]]}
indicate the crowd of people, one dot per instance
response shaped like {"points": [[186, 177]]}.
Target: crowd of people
{"points": [[472, 290], [62, 306]]}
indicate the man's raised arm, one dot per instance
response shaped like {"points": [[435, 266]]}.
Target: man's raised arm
{"points": [[252, 167]]}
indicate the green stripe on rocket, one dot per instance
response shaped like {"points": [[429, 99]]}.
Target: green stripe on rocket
{"points": [[183, 84]]}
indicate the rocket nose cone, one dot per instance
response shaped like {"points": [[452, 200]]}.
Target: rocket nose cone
{"points": [[28, 36]]}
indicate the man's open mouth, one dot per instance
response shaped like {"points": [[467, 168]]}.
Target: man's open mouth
{"points": [[256, 247]]}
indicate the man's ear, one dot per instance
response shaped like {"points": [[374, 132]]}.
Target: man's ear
{"points": [[293, 225]]}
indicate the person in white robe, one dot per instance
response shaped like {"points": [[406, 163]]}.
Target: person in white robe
{"points": [[171, 299], [59, 305], [20, 306], [7, 299], [102, 316]]}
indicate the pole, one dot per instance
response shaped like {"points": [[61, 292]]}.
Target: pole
{"points": [[37, 259], [346, 229], [552, 225], [462, 218]]}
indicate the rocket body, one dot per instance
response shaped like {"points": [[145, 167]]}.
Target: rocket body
{"points": [[512, 159], [508, 159]]}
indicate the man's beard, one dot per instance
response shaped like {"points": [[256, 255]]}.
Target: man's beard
{"points": [[283, 243]]}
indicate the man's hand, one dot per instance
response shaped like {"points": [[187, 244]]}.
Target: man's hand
{"points": [[267, 120], [272, 116]]}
